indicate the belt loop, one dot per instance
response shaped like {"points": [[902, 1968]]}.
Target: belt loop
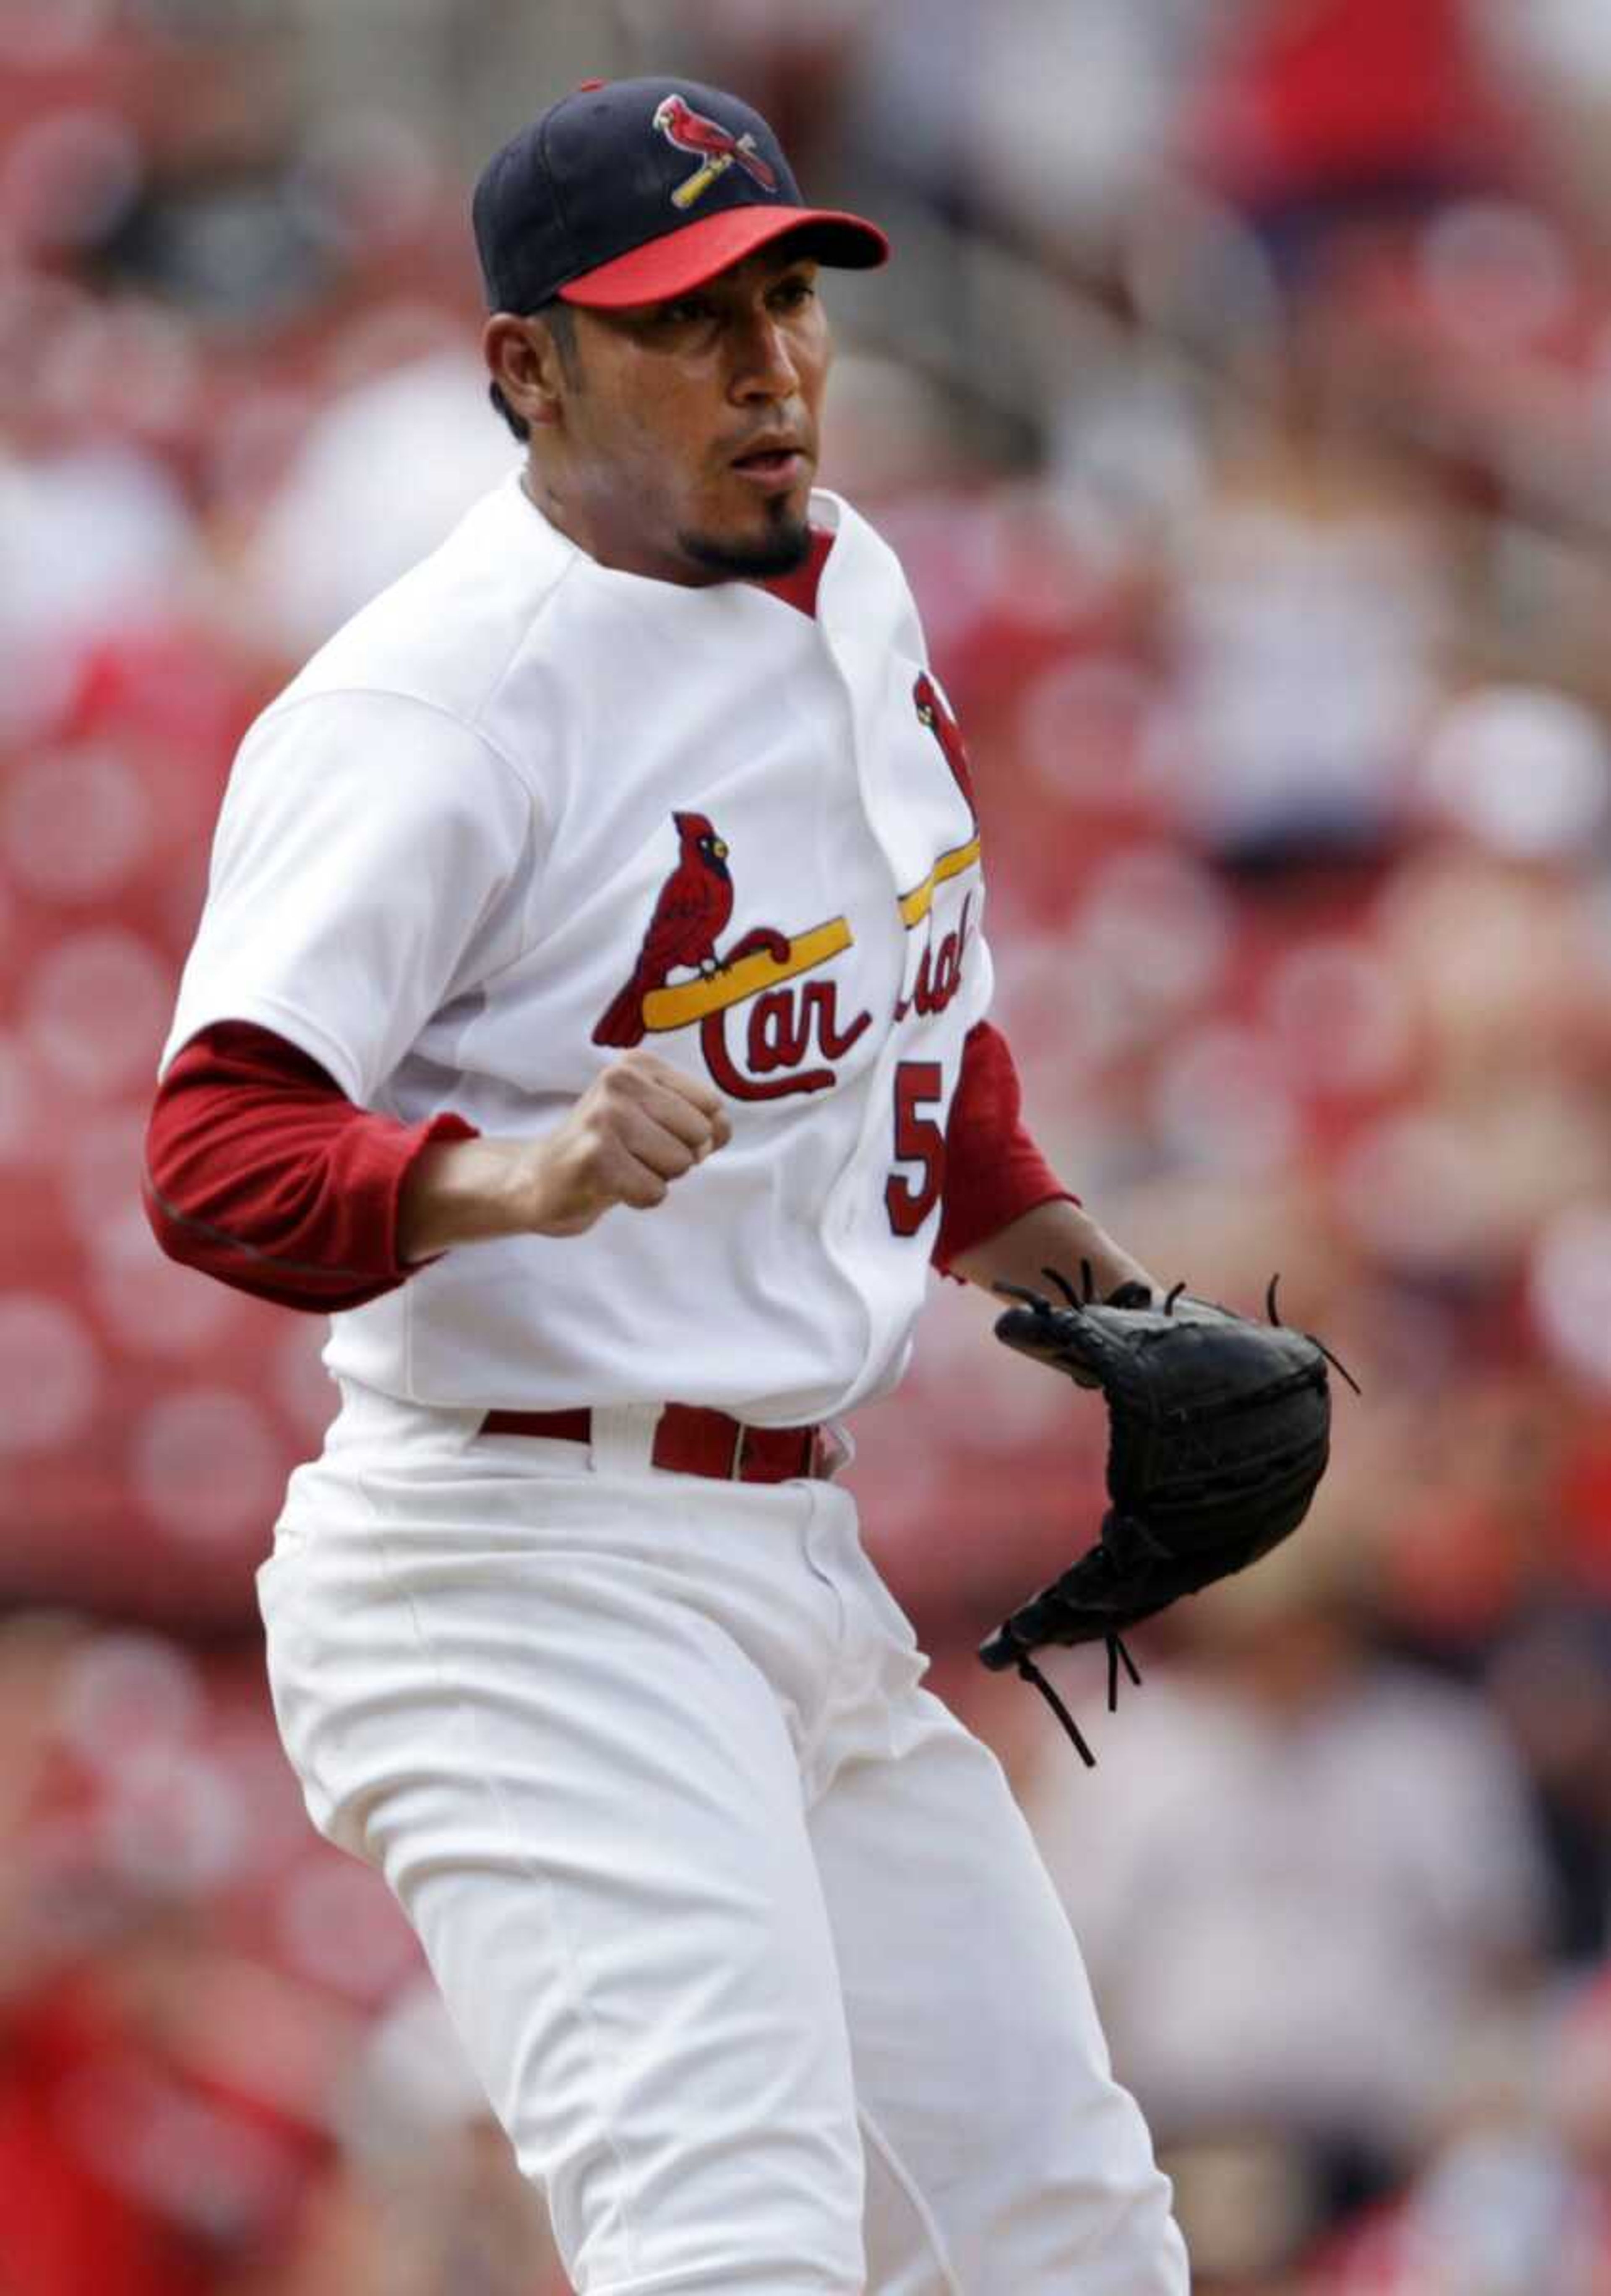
{"points": [[623, 1438], [834, 1450], [735, 1469]]}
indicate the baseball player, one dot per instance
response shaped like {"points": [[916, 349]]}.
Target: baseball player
{"points": [[588, 1011]]}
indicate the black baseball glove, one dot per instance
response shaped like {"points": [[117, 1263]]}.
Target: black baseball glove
{"points": [[1220, 1432]]}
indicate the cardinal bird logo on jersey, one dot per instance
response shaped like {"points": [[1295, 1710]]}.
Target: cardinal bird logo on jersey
{"points": [[934, 712], [695, 906], [712, 146]]}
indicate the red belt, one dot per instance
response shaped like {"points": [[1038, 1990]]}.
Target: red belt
{"points": [[690, 1441]]}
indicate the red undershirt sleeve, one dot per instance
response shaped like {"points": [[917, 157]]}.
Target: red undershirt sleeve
{"points": [[994, 1173], [262, 1172]]}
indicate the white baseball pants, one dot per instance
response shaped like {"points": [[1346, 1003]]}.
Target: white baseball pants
{"points": [[743, 1933]]}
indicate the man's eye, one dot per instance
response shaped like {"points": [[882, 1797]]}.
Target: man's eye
{"points": [[792, 293], [684, 310]]}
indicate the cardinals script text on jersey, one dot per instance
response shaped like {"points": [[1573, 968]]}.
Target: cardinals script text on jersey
{"points": [[796, 1032]]}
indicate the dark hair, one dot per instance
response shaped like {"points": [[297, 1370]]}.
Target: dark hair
{"points": [[560, 320]]}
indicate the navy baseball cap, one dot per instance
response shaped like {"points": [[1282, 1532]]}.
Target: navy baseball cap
{"points": [[633, 190]]}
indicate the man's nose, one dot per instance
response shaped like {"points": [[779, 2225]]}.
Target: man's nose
{"points": [[765, 365]]}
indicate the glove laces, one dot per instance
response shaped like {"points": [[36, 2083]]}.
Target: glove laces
{"points": [[1116, 1654]]}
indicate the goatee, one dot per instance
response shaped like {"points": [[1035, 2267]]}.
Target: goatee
{"points": [[783, 551]]}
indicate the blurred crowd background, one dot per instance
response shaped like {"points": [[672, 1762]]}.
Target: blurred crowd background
{"points": [[1240, 401]]}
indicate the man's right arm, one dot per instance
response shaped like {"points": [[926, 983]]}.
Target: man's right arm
{"points": [[374, 858], [262, 1173]]}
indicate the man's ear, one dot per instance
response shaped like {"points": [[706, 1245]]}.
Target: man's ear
{"points": [[523, 359]]}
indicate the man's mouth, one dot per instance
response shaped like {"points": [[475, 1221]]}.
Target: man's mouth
{"points": [[778, 466]]}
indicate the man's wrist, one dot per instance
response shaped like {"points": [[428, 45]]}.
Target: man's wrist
{"points": [[1059, 1234], [463, 1191]]}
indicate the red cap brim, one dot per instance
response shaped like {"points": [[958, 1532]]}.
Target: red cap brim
{"points": [[687, 256]]}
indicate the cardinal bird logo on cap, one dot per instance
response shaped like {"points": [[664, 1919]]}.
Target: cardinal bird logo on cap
{"points": [[712, 146], [695, 906]]}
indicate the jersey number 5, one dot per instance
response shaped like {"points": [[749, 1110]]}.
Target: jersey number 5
{"points": [[920, 1142]]}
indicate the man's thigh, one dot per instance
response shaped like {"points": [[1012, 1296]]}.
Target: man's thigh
{"points": [[585, 1796], [1003, 2160]]}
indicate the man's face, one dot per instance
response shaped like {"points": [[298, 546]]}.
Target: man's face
{"points": [[686, 438]]}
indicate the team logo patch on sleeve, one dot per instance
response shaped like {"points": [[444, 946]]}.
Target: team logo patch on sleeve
{"points": [[712, 146]]}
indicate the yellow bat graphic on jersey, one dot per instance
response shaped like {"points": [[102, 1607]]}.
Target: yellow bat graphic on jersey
{"points": [[915, 904], [685, 1001]]}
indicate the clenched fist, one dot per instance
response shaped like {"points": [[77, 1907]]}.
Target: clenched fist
{"points": [[639, 1127]]}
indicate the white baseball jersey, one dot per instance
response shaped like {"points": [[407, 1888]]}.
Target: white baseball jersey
{"points": [[525, 808]]}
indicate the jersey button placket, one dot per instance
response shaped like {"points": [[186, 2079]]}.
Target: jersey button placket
{"points": [[840, 1219]]}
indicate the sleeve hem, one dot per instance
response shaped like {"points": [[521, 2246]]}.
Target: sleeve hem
{"points": [[445, 1127], [288, 1021], [956, 1246]]}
